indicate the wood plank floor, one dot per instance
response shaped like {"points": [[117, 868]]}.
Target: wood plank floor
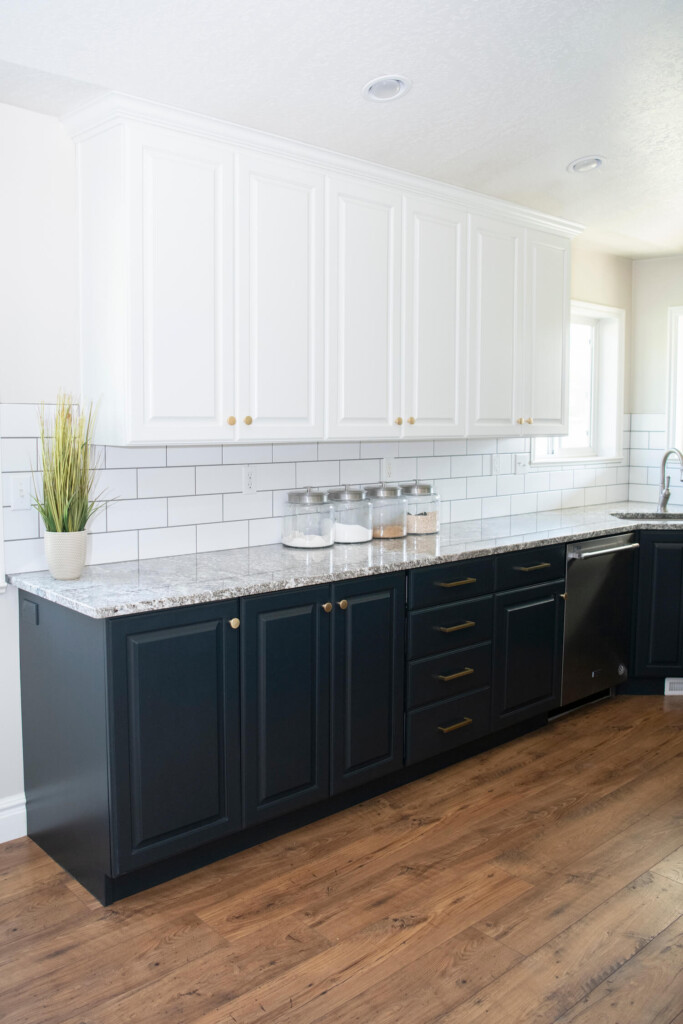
{"points": [[540, 882]]}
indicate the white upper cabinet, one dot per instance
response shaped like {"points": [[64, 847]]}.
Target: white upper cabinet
{"points": [[547, 333], [435, 301], [363, 326], [496, 358], [280, 326]]}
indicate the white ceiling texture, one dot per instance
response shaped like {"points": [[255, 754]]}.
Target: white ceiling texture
{"points": [[505, 93]]}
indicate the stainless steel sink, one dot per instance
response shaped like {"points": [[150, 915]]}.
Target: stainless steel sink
{"points": [[648, 515]]}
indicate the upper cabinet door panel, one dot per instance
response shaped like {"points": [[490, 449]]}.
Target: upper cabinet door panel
{"points": [[495, 327], [363, 309], [434, 319], [280, 339], [546, 333], [181, 367]]}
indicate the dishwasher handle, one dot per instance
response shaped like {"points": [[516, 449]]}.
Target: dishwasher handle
{"points": [[605, 551]]}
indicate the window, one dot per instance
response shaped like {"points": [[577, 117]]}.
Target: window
{"points": [[675, 404], [595, 391]]}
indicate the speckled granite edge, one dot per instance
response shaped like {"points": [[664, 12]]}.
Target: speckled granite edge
{"points": [[127, 588]]}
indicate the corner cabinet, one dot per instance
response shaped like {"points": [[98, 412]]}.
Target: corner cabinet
{"points": [[519, 321], [237, 287]]}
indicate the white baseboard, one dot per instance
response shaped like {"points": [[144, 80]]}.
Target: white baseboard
{"points": [[12, 817]]}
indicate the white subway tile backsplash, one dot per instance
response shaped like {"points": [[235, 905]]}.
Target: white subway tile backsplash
{"points": [[218, 536], [657, 439], [295, 452], [25, 555], [482, 446], [618, 492], [509, 483], [549, 501], [595, 495], [515, 445], [19, 454], [450, 447], [245, 454], [523, 503], [429, 468], [648, 421], [482, 487], [639, 439], [338, 450], [137, 458], [536, 482], [638, 475], [166, 483], [406, 469], [417, 449], [317, 474], [493, 507], [636, 492], [466, 465], [218, 479], [452, 488], [174, 540], [379, 449], [196, 508], [195, 455], [573, 497], [248, 506], [607, 474], [360, 471], [112, 547], [20, 420], [116, 484], [276, 476], [21, 525], [461, 511], [561, 478], [139, 514], [265, 531], [646, 457]]}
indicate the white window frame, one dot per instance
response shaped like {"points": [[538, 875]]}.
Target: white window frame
{"points": [[674, 408], [607, 400]]}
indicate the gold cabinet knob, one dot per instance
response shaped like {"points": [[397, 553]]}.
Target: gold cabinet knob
{"points": [[343, 604], [234, 623], [232, 421], [411, 420], [327, 607], [398, 421], [520, 420], [248, 420], [530, 419]]}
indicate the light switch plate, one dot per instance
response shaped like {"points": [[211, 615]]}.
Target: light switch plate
{"points": [[20, 498], [522, 462]]}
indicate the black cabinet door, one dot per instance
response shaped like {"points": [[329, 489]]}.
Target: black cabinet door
{"points": [[527, 656], [659, 606], [175, 714], [367, 679], [285, 701]]}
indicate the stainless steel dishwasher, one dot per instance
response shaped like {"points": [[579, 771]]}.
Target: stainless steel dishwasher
{"points": [[597, 625]]}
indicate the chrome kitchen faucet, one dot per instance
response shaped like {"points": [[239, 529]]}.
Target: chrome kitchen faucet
{"points": [[664, 492]]}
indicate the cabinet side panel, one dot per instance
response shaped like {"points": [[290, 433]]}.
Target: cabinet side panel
{"points": [[102, 280], [547, 330], [65, 734]]}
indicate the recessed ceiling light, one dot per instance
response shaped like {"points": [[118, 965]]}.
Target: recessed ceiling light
{"points": [[586, 163], [388, 87]]}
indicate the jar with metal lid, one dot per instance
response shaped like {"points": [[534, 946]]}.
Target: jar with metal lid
{"points": [[352, 516], [422, 511], [388, 512], [308, 520]]}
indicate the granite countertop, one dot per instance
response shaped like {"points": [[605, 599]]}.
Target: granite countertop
{"points": [[125, 588]]}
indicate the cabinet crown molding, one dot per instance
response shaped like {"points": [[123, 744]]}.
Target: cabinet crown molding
{"points": [[118, 109]]}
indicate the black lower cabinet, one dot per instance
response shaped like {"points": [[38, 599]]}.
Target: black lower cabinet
{"points": [[527, 652], [367, 679], [285, 701], [658, 633], [175, 713]]}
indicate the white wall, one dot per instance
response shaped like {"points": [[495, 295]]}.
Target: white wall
{"points": [[38, 346], [657, 285]]}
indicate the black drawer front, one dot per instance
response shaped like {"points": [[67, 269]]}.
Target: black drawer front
{"points": [[447, 725], [449, 627], [452, 581], [448, 675], [525, 568]]}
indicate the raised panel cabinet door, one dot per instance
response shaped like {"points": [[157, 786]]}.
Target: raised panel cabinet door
{"points": [[175, 703], [368, 679], [546, 333], [496, 344], [435, 300], [285, 701], [527, 652], [181, 367], [659, 606], [280, 332], [363, 328]]}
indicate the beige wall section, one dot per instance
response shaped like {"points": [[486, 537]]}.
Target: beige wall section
{"points": [[39, 350], [606, 280], [657, 285]]}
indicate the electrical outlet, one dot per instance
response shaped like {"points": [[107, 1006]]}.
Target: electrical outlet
{"points": [[388, 469], [522, 462], [21, 492], [248, 479]]}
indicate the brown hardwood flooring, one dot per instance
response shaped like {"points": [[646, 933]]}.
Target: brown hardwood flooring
{"points": [[539, 882]]}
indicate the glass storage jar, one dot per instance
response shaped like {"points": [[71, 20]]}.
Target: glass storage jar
{"points": [[352, 516], [388, 512], [422, 508], [308, 520]]}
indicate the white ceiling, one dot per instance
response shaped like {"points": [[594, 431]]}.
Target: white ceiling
{"points": [[505, 92]]}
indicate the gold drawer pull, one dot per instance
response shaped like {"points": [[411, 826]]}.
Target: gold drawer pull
{"points": [[457, 583], [454, 629], [457, 725], [234, 623], [327, 607], [532, 568], [456, 675]]}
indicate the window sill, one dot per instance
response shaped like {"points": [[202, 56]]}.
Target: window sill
{"points": [[592, 460]]}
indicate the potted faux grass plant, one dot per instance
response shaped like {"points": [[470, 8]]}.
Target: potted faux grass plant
{"points": [[68, 479]]}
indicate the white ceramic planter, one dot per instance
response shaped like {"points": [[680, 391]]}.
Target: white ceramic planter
{"points": [[65, 554]]}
